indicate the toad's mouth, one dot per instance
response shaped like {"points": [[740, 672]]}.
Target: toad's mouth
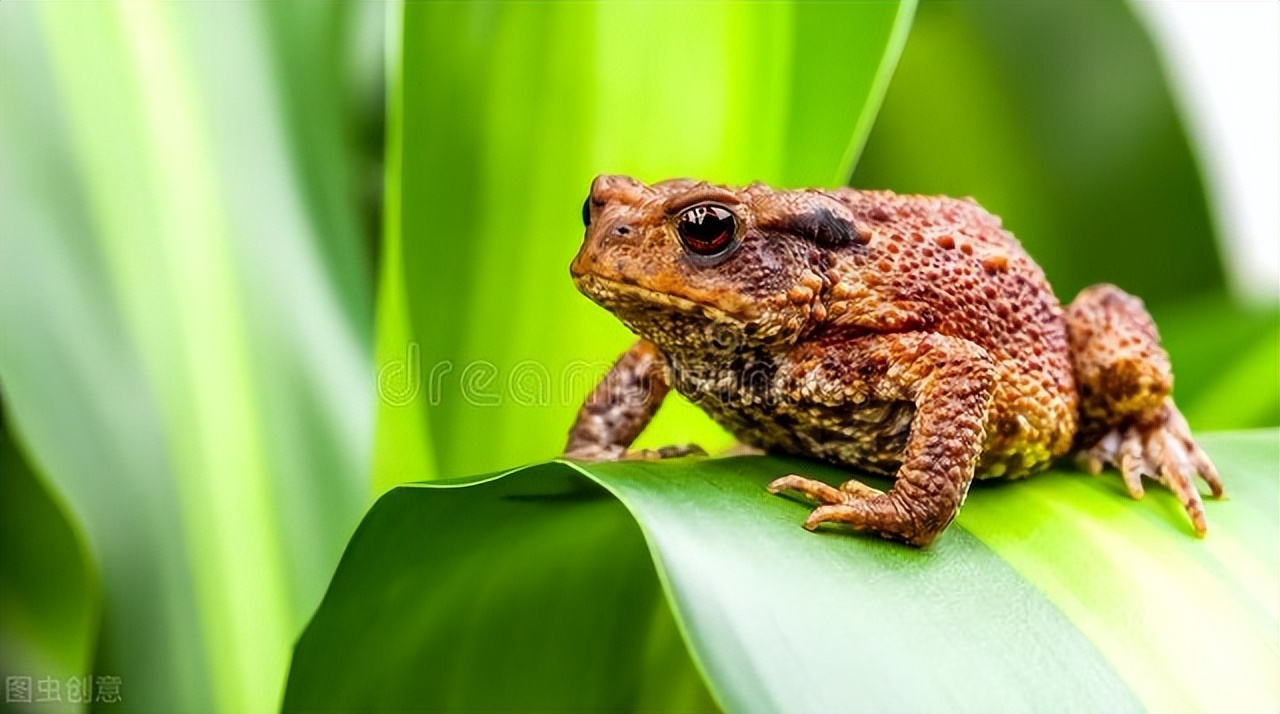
{"points": [[617, 296]]}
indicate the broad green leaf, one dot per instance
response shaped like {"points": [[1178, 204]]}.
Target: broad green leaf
{"points": [[528, 590], [501, 113], [1057, 117], [542, 597], [1190, 626], [184, 326], [49, 596]]}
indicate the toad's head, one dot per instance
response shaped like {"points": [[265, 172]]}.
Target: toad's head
{"points": [[681, 262]]}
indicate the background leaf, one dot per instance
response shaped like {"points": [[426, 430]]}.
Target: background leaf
{"points": [[502, 114], [184, 324], [50, 601], [1225, 358], [1056, 116], [1058, 592]]}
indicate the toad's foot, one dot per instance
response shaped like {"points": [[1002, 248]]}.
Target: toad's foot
{"points": [[612, 452], [834, 504], [1160, 448], [951, 382]]}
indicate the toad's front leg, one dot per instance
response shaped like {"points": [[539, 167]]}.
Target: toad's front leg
{"points": [[620, 407], [950, 381]]}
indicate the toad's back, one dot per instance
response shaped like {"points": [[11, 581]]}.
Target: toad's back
{"points": [[944, 265]]}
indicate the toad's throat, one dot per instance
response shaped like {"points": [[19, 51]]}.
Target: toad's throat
{"points": [[623, 298]]}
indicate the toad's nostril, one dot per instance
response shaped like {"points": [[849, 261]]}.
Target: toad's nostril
{"points": [[622, 230]]}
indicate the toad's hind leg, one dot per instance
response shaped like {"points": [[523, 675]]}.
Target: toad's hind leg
{"points": [[1127, 418]]}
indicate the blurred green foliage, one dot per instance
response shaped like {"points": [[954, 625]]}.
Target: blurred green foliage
{"points": [[1056, 117], [1224, 356], [185, 321], [49, 594]]}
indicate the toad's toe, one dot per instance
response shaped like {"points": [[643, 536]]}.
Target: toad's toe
{"points": [[1161, 449], [814, 489]]}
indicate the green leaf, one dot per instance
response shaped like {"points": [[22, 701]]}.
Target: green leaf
{"points": [[550, 604], [50, 600], [529, 590], [183, 329], [501, 113]]}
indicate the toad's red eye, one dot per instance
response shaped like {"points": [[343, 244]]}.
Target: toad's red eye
{"points": [[707, 230]]}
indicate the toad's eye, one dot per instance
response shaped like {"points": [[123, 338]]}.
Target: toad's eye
{"points": [[707, 230], [586, 213]]}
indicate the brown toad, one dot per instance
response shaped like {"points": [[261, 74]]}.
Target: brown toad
{"points": [[905, 335]]}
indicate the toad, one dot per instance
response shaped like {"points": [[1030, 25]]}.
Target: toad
{"points": [[909, 336]]}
